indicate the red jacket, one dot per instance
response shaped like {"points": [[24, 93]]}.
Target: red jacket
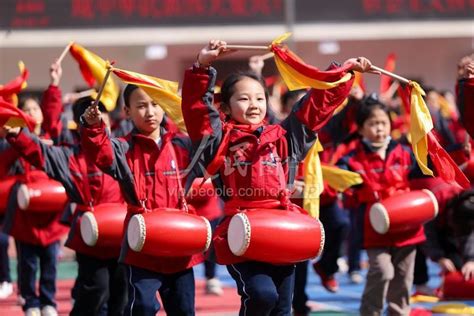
{"points": [[259, 162], [147, 174], [69, 166], [465, 102], [382, 178]]}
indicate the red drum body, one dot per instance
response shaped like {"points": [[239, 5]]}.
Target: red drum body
{"points": [[104, 226], [455, 287], [275, 236], [168, 233], [42, 196], [6, 186], [403, 212]]}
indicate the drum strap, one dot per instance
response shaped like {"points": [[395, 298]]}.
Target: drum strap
{"points": [[139, 175]]}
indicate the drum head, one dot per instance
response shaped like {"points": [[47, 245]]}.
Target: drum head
{"points": [[23, 197], [434, 200], [209, 233], [136, 232], [379, 218], [89, 229], [238, 236]]}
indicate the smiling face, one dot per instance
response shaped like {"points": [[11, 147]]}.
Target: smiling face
{"points": [[248, 103], [145, 113], [376, 127]]}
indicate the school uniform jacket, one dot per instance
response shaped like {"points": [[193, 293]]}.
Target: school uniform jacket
{"points": [[260, 162], [148, 178], [382, 178], [84, 183]]}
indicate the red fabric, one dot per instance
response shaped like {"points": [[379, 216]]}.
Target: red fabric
{"points": [[8, 111], [14, 86], [52, 108], [386, 81], [444, 165], [293, 61], [383, 178], [160, 191]]}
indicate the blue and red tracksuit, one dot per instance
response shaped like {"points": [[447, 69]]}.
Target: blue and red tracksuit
{"points": [[382, 178], [86, 186], [253, 167], [149, 176]]}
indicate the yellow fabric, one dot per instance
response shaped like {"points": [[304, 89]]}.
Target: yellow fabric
{"points": [[340, 179], [420, 125], [163, 92], [281, 38], [419, 298], [21, 66], [453, 308], [16, 122], [98, 69], [313, 180], [296, 80], [446, 108]]}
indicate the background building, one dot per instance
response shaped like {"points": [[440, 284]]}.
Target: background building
{"points": [[162, 37]]}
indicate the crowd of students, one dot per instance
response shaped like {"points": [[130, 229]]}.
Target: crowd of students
{"points": [[146, 162]]}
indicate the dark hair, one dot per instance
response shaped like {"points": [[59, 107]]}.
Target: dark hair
{"points": [[366, 108], [127, 92], [228, 86], [289, 95], [80, 106]]}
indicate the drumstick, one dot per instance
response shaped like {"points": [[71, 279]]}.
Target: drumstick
{"points": [[101, 89], [247, 47], [390, 74], [65, 51], [267, 56]]}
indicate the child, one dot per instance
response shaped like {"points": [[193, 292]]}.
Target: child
{"points": [[258, 158], [147, 165], [37, 234], [101, 282], [385, 167]]}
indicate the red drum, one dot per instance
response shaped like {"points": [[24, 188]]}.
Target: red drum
{"points": [[275, 236], [455, 287], [42, 196], [104, 226], [403, 212], [168, 233], [6, 185]]}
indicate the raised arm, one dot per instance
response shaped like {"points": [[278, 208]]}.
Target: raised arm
{"points": [[202, 119], [465, 97], [51, 104], [108, 154], [314, 110]]}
